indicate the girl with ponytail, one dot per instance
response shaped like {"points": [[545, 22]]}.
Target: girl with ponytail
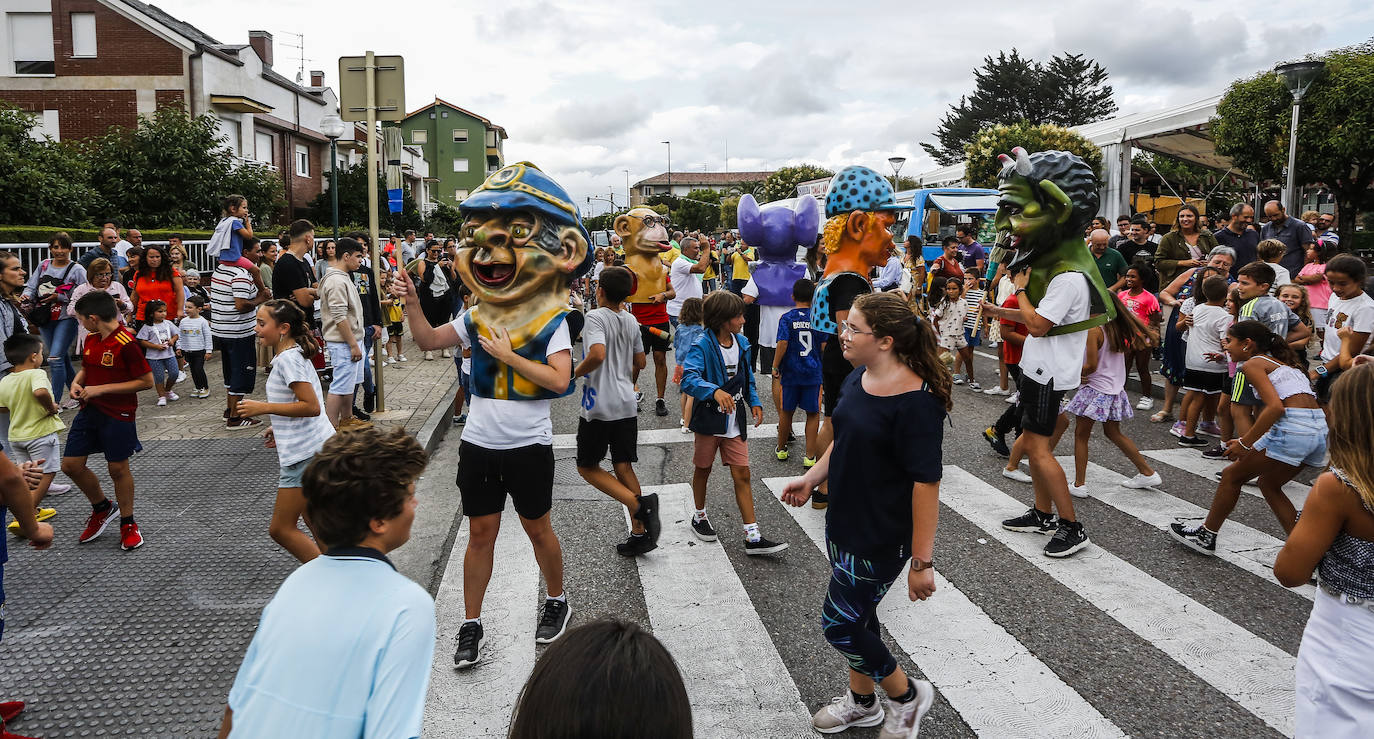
{"points": [[299, 427], [884, 469], [1289, 432]]}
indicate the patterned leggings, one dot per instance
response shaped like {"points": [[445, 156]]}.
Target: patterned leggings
{"points": [[850, 614]]}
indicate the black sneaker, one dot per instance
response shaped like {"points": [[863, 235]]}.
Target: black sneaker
{"points": [[820, 501], [1195, 537], [648, 515], [763, 546], [361, 414], [660, 407], [1216, 452], [635, 545], [702, 529], [997, 442], [553, 621], [1068, 539], [469, 650], [1032, 522], [1192, 441]]}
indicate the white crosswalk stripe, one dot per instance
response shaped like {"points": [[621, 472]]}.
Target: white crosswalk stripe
{"points": [[995, 683], [673, 436], [1190, 460]]}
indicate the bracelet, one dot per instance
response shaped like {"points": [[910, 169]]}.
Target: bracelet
{"points": [[1243, 446]]}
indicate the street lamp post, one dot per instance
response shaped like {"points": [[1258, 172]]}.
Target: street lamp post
{"points": [[332, 126], [1298, 77], [628, 194], [896, 163], [670, 179]]}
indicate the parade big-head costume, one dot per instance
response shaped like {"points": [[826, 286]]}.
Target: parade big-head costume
{"points": [[1047, 198], [860, 211], [522, 245], [776, 230], [644, 235]]}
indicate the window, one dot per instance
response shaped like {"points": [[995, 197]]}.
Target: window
{"points": [[262, 147], [302, 160], [491, 139], [460, 195], [419, 136], [647, 191], [83, 34], [460, 135], [31, 43], [460, 165], [444, 114], [229, 132], [431, 115], [45, 126]]}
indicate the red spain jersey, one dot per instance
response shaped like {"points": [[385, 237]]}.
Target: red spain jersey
{"points": [[117, 358]]}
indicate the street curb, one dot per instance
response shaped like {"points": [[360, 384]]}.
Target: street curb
{"points": [[432, 432]]}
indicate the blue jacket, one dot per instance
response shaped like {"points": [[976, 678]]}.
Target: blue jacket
{"points": [[703, 373]]}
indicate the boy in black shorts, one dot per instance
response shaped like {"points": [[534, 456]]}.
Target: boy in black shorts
{"points": [[113, 371], [615, 351]]}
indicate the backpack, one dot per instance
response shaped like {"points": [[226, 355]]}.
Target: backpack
{"points": [[40, 314]]}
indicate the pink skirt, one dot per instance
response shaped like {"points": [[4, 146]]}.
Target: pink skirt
{"points": [[1100, 407]]}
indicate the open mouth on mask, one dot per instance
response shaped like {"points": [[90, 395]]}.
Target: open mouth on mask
{"points": [[493, 274]]}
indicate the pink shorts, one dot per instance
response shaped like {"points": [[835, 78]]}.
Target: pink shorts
{"points": [[733, 451]]}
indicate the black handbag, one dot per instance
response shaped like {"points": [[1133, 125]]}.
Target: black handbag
{"points": [[707, 416]]}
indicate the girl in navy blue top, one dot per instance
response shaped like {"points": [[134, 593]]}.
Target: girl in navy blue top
{"points": [[884, 470]]}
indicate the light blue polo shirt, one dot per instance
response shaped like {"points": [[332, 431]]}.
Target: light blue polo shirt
{"points": [[342, 650]]}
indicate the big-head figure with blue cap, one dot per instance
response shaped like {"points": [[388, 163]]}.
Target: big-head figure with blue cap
{"points": [[860, 212], [522, 245]]}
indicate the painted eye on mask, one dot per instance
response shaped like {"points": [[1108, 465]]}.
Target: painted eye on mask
{"points": [[520, 231]]}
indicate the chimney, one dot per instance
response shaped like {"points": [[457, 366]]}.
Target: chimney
{"points": [[317, 78], [261, 41]]}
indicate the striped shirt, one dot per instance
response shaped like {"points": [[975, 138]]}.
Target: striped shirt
{"points": [[297, 438], [226, 283]]}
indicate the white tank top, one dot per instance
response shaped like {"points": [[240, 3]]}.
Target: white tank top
{"points": [[1287, 380]]}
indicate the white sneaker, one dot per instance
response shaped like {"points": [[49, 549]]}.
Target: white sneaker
{"points": [[842, 713], [994, 390], [446, 354], [403, 358], [1145, 404], [1140, 482], [904, 719], [958, 379], [162, 402], [172, 397], [58, 488], [1016, 475], [974, 386], [429, 356], [1079, 491], [181, 377], [1014, 398]]}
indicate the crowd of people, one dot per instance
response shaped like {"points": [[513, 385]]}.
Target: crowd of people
{"points": [[1261, 335]]}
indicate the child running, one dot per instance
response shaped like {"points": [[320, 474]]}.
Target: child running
{"points": [[716, 373], [26, 395], [610, 421], [1204, 374], [689, 329], [1102, 398], [797, 370], [1289, 432], [195, 344], [113, 371], [294, 406], [158, 337], [1335, 538], [884, 468]]}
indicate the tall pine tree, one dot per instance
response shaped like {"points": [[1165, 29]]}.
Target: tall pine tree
{"points": [[1069, 90]]}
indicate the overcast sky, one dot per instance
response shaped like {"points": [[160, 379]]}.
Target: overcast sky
{"points": [[588, 89]]}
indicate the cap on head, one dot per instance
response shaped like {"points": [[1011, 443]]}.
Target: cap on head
{"points": [[859, 188]]}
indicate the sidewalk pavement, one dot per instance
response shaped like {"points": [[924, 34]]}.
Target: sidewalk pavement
{"points": [[103, 642]]}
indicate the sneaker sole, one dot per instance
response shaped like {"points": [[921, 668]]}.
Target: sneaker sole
{"points": [[459, 664], [820, 506], [99, 531], [925, 698], [704, 537], [1191, 544], [866, 721], [567, 619], [1028, 529], [766, 550], [1076, 548], [129, 549], [1138, 486]]}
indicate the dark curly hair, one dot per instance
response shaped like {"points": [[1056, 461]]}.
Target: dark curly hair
{"points": [[1073, 175], [356, 477]]}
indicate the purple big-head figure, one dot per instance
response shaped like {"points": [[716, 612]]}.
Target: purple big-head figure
{"points": [[776, 230]]}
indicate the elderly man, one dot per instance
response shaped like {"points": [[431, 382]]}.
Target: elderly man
{"points": [[1110, 264], [1294, 234], [109, 240], [1239, 236]]}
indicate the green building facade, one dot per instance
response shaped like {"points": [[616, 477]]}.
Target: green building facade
{"points": [[461, 147]]}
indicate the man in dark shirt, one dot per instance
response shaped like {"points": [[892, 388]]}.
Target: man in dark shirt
{"points": [[1294, 234], [1239, 236], [974, 256], [1123, 233], [292, 278], [365, 280]]}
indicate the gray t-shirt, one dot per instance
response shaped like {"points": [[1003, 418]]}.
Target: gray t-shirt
{"points": [[1272, 313], [608, 393]]}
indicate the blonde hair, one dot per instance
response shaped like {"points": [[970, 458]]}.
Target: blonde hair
{"points": [[1351, 425], [1304, 309], [1271, 250], [830, 237]]}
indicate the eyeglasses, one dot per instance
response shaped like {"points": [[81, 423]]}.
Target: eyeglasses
{"points": [[652, 221], [848, 328]]}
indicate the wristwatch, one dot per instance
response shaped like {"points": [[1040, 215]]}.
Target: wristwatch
{"points": [[917, 564], [1322, 371]]}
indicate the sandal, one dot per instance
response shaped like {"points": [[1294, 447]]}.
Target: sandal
{"points": [[1161, 417]]}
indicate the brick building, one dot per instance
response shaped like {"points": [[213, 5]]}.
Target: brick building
{"points": [[82, 66]]}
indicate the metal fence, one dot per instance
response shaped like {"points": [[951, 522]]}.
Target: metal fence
{"points": [[31, 255]]}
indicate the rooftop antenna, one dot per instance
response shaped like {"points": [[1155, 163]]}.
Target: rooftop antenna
{"points": [[299, 46]]}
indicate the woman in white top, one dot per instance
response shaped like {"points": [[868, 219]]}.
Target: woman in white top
{"points": [[299, 428], [100, 276]]}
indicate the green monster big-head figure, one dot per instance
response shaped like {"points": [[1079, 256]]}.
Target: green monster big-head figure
{"points": [[1047, 198]]}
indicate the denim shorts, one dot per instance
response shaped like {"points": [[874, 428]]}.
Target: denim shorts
{"points": [[348, 374], [1299, 438], [291, 474]]}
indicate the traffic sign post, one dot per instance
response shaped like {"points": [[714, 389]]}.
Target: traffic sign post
{"points": [[372, 88]]}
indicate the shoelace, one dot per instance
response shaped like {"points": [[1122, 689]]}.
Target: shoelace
{"points": [[553, 612], [467, 638]]}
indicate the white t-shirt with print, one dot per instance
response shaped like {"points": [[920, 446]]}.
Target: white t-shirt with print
{"points": [[509, 424], [730, 355], [297, 438], [1057, 361], [1357, 313]]}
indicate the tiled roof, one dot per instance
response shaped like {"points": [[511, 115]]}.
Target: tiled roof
{"points": [[705, 178], [485, 121]]}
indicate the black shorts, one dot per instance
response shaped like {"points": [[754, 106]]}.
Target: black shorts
{"points": [[487, 476], [654, 342], [831, 383], [1207, 383], [595, 437], [1039, 406], [1241, 392]]}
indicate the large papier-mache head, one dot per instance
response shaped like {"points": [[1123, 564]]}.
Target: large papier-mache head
{"points": [[1045, 197]]}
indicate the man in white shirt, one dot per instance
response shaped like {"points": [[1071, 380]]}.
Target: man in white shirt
{"points": [[891, 275], [685, 276]]}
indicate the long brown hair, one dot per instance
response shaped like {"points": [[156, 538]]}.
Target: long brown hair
{"points": [[5, 257], [287, 312], [913, 340], [1351, 426], [1267, 341], [1125, 333]]}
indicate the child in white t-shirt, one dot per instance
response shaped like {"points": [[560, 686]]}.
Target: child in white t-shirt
{"points": [[195, 344], [158, 337], [1204, 374]]}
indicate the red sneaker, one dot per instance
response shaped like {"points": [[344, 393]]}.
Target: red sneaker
{"points": [[95, 525], [10, 709], [129, 537]]}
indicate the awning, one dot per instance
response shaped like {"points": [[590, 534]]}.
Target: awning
{"points": [[970, 203], [239, 104]]}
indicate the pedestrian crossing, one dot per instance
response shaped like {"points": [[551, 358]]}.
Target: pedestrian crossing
{"points": [[1189, 460], [745, 684]]}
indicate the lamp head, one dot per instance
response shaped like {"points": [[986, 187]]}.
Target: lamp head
{"points": [[1298, 76], [332, 126]]}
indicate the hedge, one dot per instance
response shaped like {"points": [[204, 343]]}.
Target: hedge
{"points": [[41, 234]]}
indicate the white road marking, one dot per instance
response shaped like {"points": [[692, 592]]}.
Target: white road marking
{"points": [[768, 431], [736, 680], [1244, 667], [477, 701], [1249, 549], [1191, 460], [998, 687]]}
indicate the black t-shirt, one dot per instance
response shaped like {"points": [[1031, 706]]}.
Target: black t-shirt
{"points": [[841, 293], [883, 446], [372, 307], [291, 273]]}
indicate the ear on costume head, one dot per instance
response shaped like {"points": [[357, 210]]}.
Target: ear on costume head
{"points": [[621, 226], [855, 224], [1058, 200], [574, 249], [806, 221], [750, 220]]}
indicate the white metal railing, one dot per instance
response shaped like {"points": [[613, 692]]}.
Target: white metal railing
{"points": [[31, 255]]}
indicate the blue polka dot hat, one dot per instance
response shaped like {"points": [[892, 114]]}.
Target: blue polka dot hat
{"points": [[859, 188]]}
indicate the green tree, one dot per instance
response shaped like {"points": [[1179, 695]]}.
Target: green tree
{"points": [[41, 182], [261, 185], [982, 165], [699, 210], [444, 219], [729, 211], [1335, 134], [1069, 90], [782, 184]]}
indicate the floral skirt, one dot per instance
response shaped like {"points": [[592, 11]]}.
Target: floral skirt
{"points": [[1100, 407]]}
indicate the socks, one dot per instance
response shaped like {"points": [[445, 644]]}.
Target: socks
{"points": [[102, 506], [125, 520], [699, 515], [908, 696], [477, 621], [563, 597], [866, 701], [751, 532]]}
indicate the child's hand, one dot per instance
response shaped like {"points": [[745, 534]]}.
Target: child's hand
{"points": [[269, 438], [796, 492], [499, 345], [209, 354], [758, 415], [724, 400], [89, 393], [250, 408], [77, 390], [32, 471]]}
